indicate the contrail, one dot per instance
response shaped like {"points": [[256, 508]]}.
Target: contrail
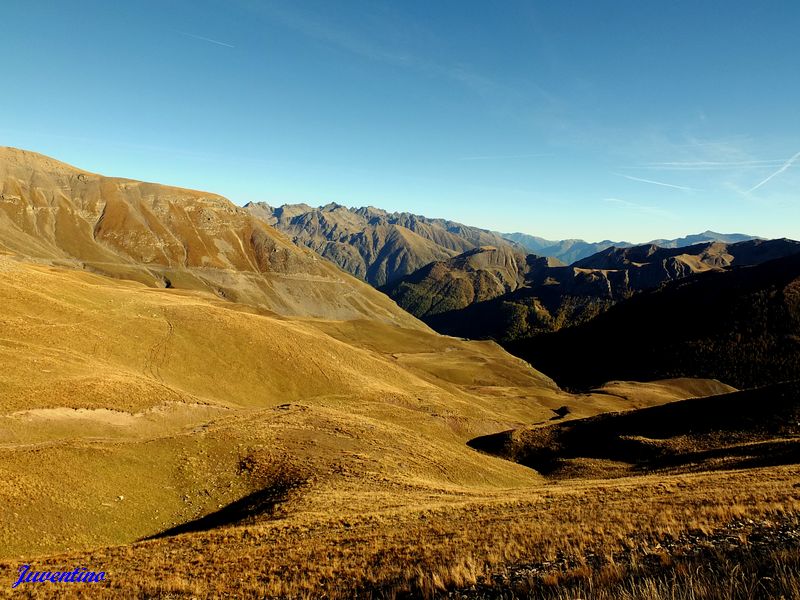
{"points": [[205, 39], [785, 166], [661, 183], [707, 165]]}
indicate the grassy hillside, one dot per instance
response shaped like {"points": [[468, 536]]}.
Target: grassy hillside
{"points": [[169, 405], [198, 408], [427, 545]]}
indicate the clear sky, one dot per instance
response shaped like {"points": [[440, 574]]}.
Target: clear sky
{"points": [[623, 119]]}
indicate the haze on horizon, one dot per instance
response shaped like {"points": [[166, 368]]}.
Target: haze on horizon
{"points": [[599, 120]]}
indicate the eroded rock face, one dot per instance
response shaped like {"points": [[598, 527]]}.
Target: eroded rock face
{"points": [[372, 244], [170, 237]]}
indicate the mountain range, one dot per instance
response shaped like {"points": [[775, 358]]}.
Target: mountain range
{"points": [[484, 287], [373, 244], [201, 406], [495, 293], [475, 283], [739, 325], [170, 238], [571, 250]]}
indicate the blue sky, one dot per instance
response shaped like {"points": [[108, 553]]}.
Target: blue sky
{"points": [[626, 120]]}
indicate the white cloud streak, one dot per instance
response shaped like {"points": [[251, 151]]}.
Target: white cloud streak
{"points": [[710, 165], [205, 39], [785, 166], [661, 183]]}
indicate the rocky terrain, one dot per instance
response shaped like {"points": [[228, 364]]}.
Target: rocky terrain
{"points": [[373, 244]]}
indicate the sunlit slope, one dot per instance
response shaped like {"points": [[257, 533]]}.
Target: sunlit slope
{"points": [[170, 361], [170, 237], [154, 395], [128, 410]]}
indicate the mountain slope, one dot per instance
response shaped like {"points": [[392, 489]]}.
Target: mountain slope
{"points": [[458, 299], [168, 405], [373, 244], [154, 396], [473, 276], [134, 410], [191, 443], [741, 326], [170, 237]]}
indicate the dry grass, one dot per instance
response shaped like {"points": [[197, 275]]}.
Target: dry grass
{"points": [[152, 395], [326, 457], [717, 576], [375, 418], [424, 547]]}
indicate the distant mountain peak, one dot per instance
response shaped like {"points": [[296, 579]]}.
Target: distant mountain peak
{"points": [[572, 250]]}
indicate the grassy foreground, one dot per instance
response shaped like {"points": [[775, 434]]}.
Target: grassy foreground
{"points": [[729, 575], [429, 544]]}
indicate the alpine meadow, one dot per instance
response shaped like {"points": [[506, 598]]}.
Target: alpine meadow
{"points": [[387, 358]]}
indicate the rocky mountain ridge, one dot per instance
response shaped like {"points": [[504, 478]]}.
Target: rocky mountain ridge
{"points": [[165, 236]]}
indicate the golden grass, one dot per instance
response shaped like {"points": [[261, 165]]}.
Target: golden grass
{"points": [[127, 411], [717, 575], [152, 395], [429, 544]]}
